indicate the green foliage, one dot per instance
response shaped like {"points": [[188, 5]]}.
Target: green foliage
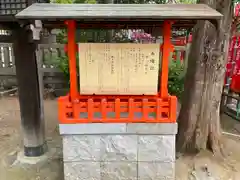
{"points": [[62, 36], [85, 1], [176, 78], [62, 64], [63, 1], [138, 1], [79, 1], [74, 1], [187, 1]]}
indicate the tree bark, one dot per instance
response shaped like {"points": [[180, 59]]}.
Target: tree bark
{"points": [[199, 120]]}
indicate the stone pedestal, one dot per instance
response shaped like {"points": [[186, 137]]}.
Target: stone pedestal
{"points": [[137, 151]]}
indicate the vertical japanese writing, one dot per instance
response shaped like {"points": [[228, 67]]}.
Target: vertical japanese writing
{"points": [[152, 61], [112, 65]]}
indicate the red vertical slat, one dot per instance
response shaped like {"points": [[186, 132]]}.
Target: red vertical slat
{"points": [[90, 107], [145, 109], [173, 109], [158, 109], [117, 108], [104, 108], [131, 109]]}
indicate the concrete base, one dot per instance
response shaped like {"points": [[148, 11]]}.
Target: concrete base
{"points": [[19, 159], [22, 159], [138, 151]]}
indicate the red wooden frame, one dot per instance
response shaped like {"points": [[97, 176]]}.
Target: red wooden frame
{"points": [[150, 108]]}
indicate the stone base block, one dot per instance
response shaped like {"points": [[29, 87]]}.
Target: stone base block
{"points": [[133, 153], [119, 170], [156, 170], [82, 170]]}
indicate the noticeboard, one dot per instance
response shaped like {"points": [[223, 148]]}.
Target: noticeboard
{"points": [[119, 68]]}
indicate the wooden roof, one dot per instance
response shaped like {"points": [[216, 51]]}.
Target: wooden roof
{"points": [[96, 11], [115, 13]]}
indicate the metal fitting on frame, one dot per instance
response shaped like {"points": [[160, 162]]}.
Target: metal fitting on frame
{"points": [[36, 29]]}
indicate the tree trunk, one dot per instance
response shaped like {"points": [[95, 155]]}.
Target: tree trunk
{"points": [[199, 121]]}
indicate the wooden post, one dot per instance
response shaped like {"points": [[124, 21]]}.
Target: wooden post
{"points": [[167, 47], [32, 118], [187, 50], [186, 58]]}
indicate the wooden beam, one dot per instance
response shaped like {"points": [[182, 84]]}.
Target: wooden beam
{"points": [[6, 38], [151, 24], [32, 118]]}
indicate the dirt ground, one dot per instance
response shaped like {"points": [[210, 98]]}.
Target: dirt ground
{"points": [[201, 167]]}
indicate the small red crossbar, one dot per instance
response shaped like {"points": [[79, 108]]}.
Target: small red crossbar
{"points": [[135, 109]]}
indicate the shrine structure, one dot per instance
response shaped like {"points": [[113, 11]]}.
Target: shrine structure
{"points": [[118, 121]]}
